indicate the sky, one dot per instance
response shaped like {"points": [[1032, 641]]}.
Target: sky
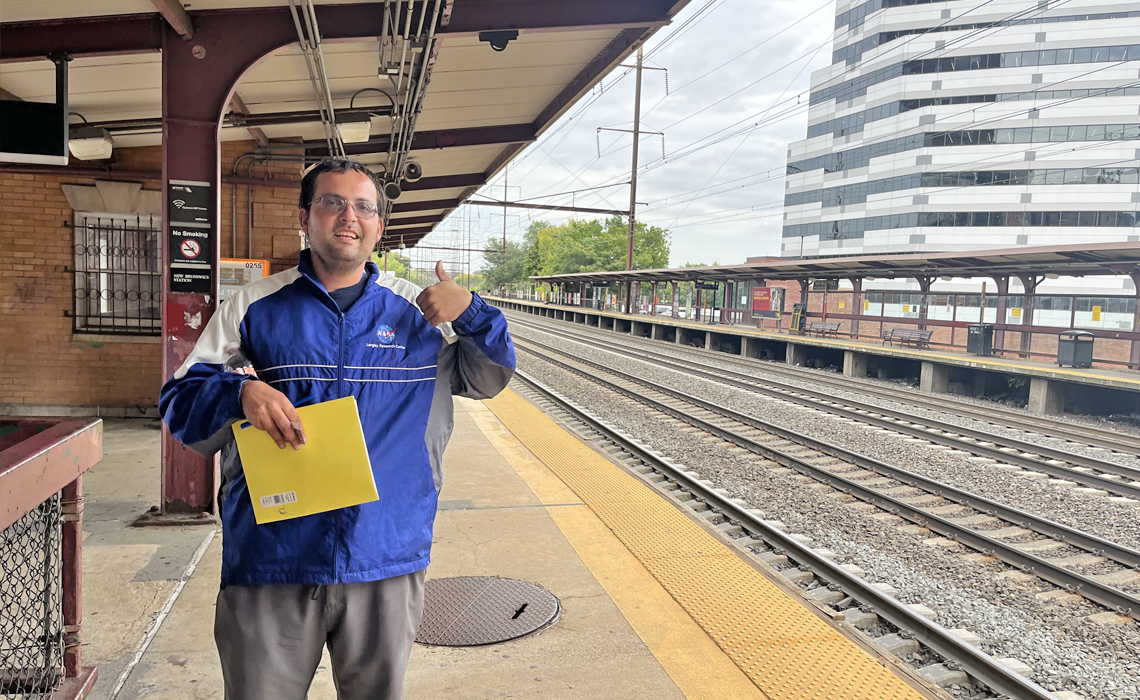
{"points": [[737, 63]]}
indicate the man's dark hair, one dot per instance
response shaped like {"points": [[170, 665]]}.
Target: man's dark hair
{"points": [[336, 165]]}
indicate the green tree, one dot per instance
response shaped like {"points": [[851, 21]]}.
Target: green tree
{"points": [[594, 246], [476, 281], [396, 264], [538, 242], [502, 267], [576, 246]]}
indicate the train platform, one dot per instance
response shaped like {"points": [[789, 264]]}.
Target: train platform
{"points": [[1055, 390], [654, 605]]}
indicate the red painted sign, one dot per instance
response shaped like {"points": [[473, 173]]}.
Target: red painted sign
{"points": [[767, 302]]}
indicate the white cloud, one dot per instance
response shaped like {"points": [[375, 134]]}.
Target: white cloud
{"points": [[739, 212]]}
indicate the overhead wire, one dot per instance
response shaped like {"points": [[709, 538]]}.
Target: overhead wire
{"points": [[931, 189], [1002, 117], [699, 145], [684, 27], [588, 164], [815, 51], [696, 146], [975, 35], [740, 55], [653, 51], [742, 141]]}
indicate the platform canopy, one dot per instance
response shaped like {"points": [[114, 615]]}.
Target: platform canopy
{"points": [[1084, 260], [481, 106]]}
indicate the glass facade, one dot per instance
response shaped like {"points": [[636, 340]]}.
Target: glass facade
{"points": [[853, 123], [861, 157], [853, 53], [857, 87], [858, 193], [854, 228], [855, 16]]}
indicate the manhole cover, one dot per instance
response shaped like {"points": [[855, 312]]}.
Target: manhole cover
{"points": [[473, 610]]}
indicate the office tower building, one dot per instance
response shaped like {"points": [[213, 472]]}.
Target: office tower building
{"points": [[943, 126]]}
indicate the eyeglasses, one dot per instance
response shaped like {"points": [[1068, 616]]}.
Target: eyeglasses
{"points": [[335, 204]]}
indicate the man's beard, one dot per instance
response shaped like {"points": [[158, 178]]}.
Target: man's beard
{"points": [[341, 261]]}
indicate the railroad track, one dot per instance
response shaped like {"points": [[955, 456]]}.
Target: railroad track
{"points": [[1039, 459], [866, 604], [1036, 427], [912, 496]]}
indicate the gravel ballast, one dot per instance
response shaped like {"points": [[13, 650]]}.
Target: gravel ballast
{"points": [[1054, 635], [1095, 515], [805, 382]]}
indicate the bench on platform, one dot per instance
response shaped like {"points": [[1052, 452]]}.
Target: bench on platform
{"points": [[907, 336], [823, 328]]}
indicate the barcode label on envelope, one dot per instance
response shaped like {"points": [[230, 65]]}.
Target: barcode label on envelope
{"points": [[278, 499]]}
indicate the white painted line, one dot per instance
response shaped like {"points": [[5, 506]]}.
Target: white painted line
{"points": [[150, 635]]}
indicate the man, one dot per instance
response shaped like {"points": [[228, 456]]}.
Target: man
{"points": [[332, 327]]}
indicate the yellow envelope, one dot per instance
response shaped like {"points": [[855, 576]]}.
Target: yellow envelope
{"points": [[332, 470]]}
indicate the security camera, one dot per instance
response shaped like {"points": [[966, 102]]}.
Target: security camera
{"points": [[499, 39], [392, 191], [413, 171]]}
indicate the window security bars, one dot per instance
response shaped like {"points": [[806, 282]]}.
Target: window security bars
{"points": [[31, 604], [118, 274]]}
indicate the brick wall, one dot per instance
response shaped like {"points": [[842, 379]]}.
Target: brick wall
{"points": [[46, 368]]}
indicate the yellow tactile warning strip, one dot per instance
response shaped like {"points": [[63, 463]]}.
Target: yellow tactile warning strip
{"points": [[786, 650], [957, 358], [691, 658]]}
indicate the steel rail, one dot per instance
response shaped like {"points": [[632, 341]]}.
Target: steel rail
{"points": [[787, 392], [1097, 437], [974, 662], [1092, 589]]}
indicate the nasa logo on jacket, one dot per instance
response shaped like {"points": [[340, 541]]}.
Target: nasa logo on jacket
{"points": [[386, 335]]}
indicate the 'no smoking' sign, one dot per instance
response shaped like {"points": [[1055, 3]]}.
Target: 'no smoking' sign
{"points": [[191, 249]]}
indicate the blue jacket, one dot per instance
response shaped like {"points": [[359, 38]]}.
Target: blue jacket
{"points": [[403, 373]]}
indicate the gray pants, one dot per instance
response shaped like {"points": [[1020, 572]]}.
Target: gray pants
{"points": [[270, 638]]}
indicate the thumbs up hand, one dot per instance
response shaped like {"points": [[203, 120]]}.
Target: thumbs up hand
{"points": [[444, 301]]}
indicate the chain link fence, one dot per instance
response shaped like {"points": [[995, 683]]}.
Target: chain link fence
{"points": [[31, 604]]}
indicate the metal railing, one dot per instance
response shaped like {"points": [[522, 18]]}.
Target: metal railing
{"points": [[41, 523], [31, 602]]}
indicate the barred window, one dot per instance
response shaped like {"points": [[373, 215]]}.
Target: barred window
{"points": [[118, 274]]}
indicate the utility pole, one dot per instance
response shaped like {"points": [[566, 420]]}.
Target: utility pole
{"points": [[633, 185]]}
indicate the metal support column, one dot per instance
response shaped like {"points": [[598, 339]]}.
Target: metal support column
{"points": [[196, 83], [1134, 350], [1030, 283], [1002, 303], [856, 304], [924, 284]]}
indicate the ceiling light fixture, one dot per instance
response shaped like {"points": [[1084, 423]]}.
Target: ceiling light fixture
{"points": [[354, 128], [91, 144]]}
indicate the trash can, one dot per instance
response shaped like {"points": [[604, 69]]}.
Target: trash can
{"points": [[797, 324], [1075, 348], [980, 340]]}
